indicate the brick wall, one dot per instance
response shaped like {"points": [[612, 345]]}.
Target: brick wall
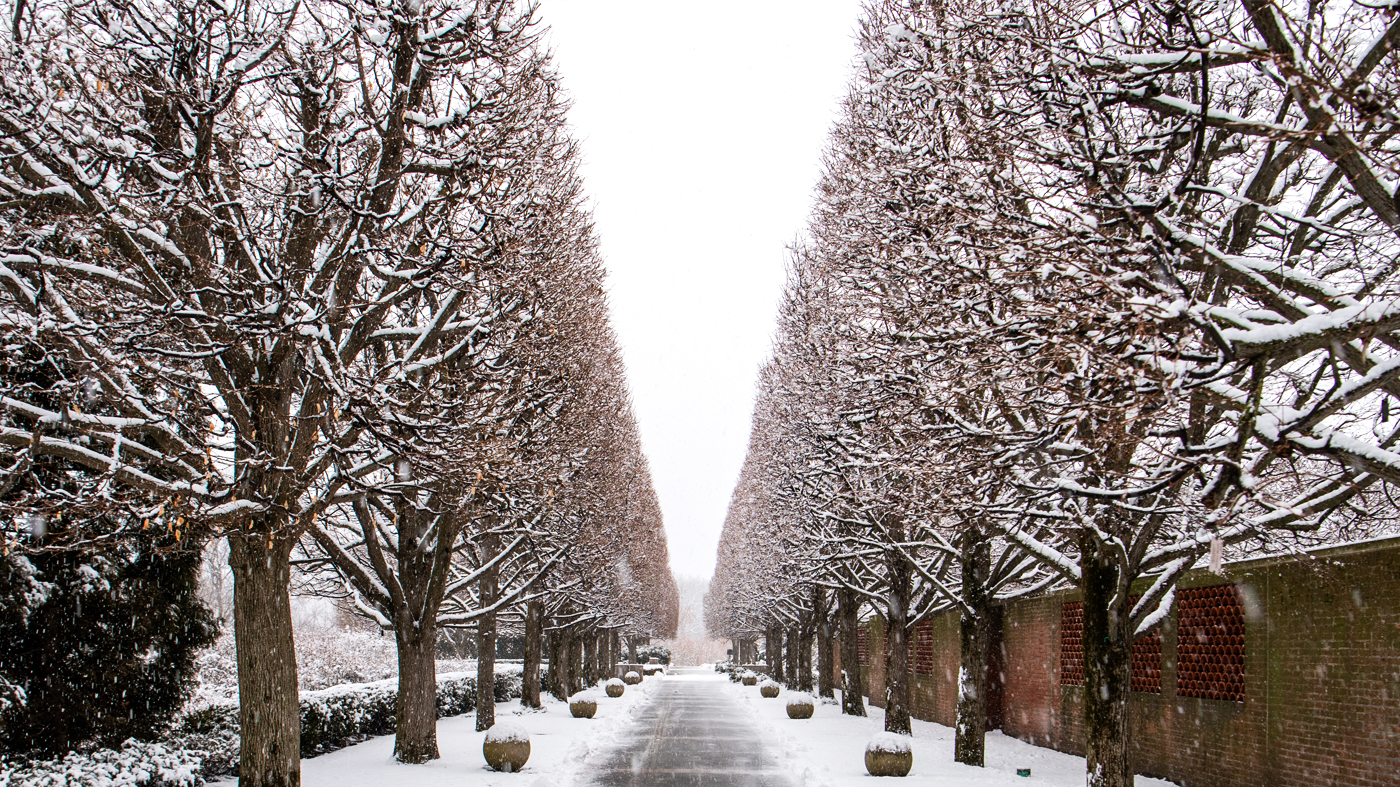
{"points": [[1321, 666], [1031, 697]]}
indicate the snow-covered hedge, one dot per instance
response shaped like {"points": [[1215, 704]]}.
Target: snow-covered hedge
{"points": [[733, 669], [204, 743], [133, 765]]}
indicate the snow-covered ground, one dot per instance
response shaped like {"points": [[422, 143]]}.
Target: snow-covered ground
{"points": [[559, 746], [828, 750]]}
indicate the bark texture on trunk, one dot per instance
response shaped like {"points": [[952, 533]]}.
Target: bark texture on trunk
{"points": [[768, 649], [590, 658], [970, 731], [557, 684], [534, 646], [269, 713], [566, 662], [486, 643], [804, 653], [574, 658], [1107, 673], [792, 653], [826, 660], [852, 685], [415, 729], [631, 650], [616, 654], [776, 666], [901, 579]]}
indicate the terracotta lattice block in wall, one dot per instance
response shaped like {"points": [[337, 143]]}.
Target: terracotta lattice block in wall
{"points": [[1147, 651], [1072, 643], [1210, 643], [1147, 661], [863, 646], [923, 648]]}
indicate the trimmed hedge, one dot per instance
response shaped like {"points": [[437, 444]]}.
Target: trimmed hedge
{"points": [[733, 670], [135, 764], [204, 743]]}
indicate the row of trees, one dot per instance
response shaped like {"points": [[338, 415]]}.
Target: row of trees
{"points": [[316, 277], [1092, 294]]}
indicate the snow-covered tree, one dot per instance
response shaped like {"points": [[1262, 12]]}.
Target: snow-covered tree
{"points": [[1175, 352], [226, 219], [1104, 286]]}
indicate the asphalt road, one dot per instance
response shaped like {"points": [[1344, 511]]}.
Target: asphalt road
{"points": [[691, 733]]}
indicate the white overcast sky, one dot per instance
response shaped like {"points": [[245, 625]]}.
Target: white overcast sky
{"points": [[702, 125]]}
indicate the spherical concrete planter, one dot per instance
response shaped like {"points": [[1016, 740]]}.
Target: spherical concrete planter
{"points": [[800, 705], [615, 687], [750, 679], [632, 678], [889, 754], [582, 705], [506, 747], [769, 689]]}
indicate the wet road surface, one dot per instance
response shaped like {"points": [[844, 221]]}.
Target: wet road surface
{"points": [[691, 733]]}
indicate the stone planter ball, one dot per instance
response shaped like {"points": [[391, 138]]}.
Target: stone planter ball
{"points": [[615, 687], [769, 689], [632, 678], [800, 705], [582, 705], [889, 754], [506, 747], [750, 679]]}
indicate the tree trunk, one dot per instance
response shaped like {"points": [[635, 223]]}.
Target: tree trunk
{"points": [[557, 685], [970, 735], [826, 660], [852, 686], [486, 643], [775, 653], [631, 650], [794, 650], [1107, 673], [534, 633], [415, 730], [566, 663], [574, 657], [616, 652], [590, 659], [768, 649], [269, 713], [897, 710], [804, 652]]}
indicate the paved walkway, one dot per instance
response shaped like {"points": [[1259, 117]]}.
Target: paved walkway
{"points": [[691, 733]]}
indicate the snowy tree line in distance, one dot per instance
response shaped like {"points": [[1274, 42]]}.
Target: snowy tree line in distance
{"points": [[1092, 293], [316, 277]]}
